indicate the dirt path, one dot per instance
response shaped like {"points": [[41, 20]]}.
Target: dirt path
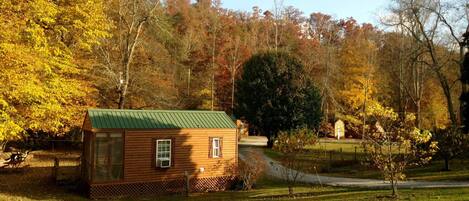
{"points": [[275, 169]]}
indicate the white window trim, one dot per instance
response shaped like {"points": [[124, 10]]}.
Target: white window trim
{"points": [[215, 148], [170, 147]]}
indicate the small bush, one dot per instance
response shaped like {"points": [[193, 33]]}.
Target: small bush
{"points": [[291, 144], [326, 129], [250, 169]]}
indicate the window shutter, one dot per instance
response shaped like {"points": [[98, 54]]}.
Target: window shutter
{"points": [[153, 161], [221, 146], [210, 147], [173, 147]]}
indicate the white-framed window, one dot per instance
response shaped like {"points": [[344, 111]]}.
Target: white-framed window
{"points": [[215, 147], [163, 153]]}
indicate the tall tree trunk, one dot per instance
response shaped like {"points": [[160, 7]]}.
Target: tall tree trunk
{"points": [[418, 114], [278, 6], [446, 158], [129, 38], [212, 89], [212, 84], [129, 49], [326, 84], [232, 89], [125, 83], [290, 190], [461, 64], [418, 92], [364, 111], [394, 188], [402, 104], [401, 87], [463, 85], [189, 82], [449, 102]]}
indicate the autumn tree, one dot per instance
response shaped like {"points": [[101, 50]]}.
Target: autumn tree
{"points": [[358, 62], [190, 55], [424, 21], [451, 143], [200, 33], [235, 52], [395, 144], [432, 24], [292, 144], [41, 47], [273, 94], [188, 58], [323, 43], [404, 75], [258, 25], [138, 25]]}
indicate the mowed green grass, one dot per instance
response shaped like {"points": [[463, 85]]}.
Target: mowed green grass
{"points": [[450, 194], [346, 156], [267, 189], [278, 191], [35, 184]]}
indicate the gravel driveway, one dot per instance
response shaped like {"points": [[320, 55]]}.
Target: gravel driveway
{"points": [[274, 169]]}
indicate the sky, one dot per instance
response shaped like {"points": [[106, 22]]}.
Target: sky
{"points": [[361, 10]]}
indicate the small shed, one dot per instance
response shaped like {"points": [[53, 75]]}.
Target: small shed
{"points": [[134, 152], [339, 129], [244, 139]]}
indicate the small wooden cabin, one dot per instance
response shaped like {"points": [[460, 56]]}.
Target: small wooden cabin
{"points": [[134, 152]]}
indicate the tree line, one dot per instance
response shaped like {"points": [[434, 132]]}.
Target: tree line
{"points": [[60, 57]]}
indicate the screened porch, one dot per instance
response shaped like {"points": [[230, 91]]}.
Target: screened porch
{"points": [[103, 157]]}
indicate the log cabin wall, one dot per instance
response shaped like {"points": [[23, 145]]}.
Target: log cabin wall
{"points": [[190, 153]]}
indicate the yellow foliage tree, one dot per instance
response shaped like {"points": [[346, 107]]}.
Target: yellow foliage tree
{"points": [[357, 66], [395, 144], [40, 43], [435, 114], [357, 60]]}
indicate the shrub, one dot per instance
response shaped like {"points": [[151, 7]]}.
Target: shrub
{"points": [[250, 169], [292, 144]]}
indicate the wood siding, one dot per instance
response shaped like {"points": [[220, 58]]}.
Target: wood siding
{"points": [[190, 153], [86, 124]]}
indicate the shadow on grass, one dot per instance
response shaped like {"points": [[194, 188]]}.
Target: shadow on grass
{"points": [[301, 195], [33, 183]]}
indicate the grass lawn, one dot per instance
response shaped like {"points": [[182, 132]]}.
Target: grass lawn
{"points": [[342, 158], [35, 183], [267, 189], [276, 190]]}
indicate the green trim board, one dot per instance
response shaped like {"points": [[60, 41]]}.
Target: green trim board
{"points": [[158, 119]]}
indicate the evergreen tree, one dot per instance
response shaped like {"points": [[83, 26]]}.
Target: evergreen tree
{"points": [[274, 94]]}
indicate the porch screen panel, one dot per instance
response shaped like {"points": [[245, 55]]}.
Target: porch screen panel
{"points": [[108, 156], [116, 156], [101, 158]]}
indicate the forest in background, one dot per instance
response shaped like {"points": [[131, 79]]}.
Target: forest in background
{"points": [[59, 58]]}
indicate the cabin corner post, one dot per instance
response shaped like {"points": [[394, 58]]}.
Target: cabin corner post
{"points": [[187, 186]]}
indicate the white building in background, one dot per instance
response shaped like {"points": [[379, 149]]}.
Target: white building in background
{"points": [[339, 129]]}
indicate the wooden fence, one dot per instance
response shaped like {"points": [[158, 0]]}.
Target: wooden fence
{"points": [[66, 170]]}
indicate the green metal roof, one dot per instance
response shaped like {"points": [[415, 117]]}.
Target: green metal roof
{"points": [[151, 119]]}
